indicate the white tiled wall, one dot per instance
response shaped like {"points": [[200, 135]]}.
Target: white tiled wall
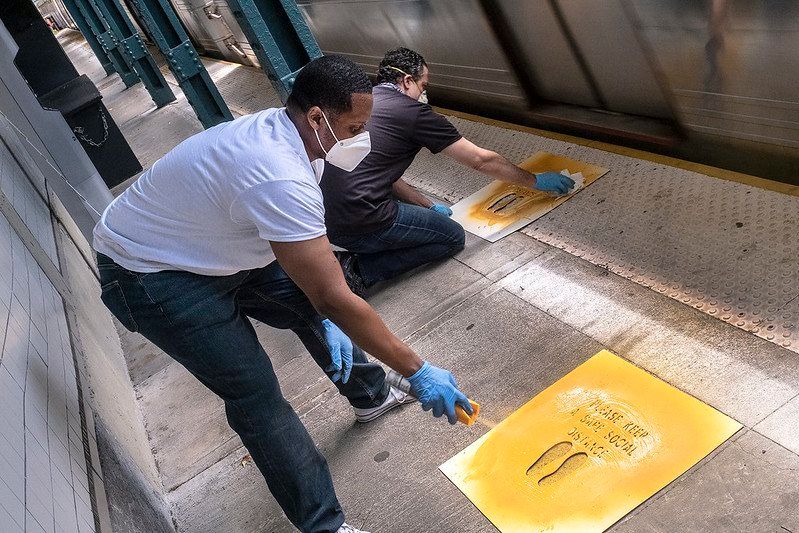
{"points": [[43, 473], [27, 201]]}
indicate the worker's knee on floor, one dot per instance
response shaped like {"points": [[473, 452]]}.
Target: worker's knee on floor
{"points": [[458, 238], [461, 238]]}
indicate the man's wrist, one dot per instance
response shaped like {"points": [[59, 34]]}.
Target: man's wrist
{"points": [[412, 367], [413, 376], [427, 203]]}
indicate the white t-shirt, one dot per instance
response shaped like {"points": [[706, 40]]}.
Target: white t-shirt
{"points": [[212, 203]]}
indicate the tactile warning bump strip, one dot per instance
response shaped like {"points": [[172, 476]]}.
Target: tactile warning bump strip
{"points": [[726, 249]]}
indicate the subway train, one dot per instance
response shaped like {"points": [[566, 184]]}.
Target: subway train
{"points": [[711, 81]]}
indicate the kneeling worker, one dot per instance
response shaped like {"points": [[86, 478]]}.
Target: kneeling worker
{"points": [[229, 226], [372, 212]]}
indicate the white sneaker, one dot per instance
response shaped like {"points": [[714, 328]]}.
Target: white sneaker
{"points": [[394, 399], [346, 528]]}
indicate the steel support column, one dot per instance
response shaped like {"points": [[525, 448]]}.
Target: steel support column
{"points": [[279, 37], [91, 38], [184, 62], [103, 34], [137, 54]]}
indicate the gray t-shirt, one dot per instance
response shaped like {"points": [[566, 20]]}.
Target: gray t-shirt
{"points": [[360, 202]]}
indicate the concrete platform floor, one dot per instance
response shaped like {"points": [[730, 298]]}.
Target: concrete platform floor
{"points": [[509, 319]]}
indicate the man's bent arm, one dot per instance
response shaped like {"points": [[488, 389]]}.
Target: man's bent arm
{"points": [[405, 193], [490, 163], [313, 267]]}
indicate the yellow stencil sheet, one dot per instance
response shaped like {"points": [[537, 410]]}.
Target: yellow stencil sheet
{"points": [[587, 450], [500, 208]]}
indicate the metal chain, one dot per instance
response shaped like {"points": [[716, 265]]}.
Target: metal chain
{"points": [[80, 132], [58, 172]]}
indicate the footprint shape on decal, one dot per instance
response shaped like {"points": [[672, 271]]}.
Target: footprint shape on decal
{"points": [[556, 463]]}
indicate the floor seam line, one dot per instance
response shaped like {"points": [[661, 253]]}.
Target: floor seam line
{"points": [[775, 410]]}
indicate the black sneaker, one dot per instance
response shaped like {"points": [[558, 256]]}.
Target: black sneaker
{"points": [[349, 266]]}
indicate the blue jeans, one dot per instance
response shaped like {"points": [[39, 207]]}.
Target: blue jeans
{"points": [[417, 236], [203, 323]]}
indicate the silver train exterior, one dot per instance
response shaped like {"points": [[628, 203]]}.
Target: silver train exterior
{"points": [[714, 81]]}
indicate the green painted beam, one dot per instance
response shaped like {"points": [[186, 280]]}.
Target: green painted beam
{"points": [[88, 34], [135, 51], [99, 28], [279, 37], [164, 26]]}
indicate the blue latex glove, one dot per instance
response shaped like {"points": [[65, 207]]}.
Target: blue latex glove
{"points": [[441, 208], [553, 182], [340, 352], [437, 389]]}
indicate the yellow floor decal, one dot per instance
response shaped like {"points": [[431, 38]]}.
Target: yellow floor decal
{"points": [[500, 208], [587, 450]]}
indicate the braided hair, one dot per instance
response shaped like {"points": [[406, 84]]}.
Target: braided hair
{"points": [[399, 61]]}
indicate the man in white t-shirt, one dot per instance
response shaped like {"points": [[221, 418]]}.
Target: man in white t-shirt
{"points": [[229, 226]]}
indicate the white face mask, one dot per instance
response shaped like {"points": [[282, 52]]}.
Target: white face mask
{"points": [[346, 154], [423, 97], [318, 166]]}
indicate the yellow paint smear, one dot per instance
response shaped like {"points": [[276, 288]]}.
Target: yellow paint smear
{"points": [[500, 205], [587, 450], [508, 203]]}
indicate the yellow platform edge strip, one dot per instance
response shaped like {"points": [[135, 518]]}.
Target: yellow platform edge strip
{"points": [[715, 172]]}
